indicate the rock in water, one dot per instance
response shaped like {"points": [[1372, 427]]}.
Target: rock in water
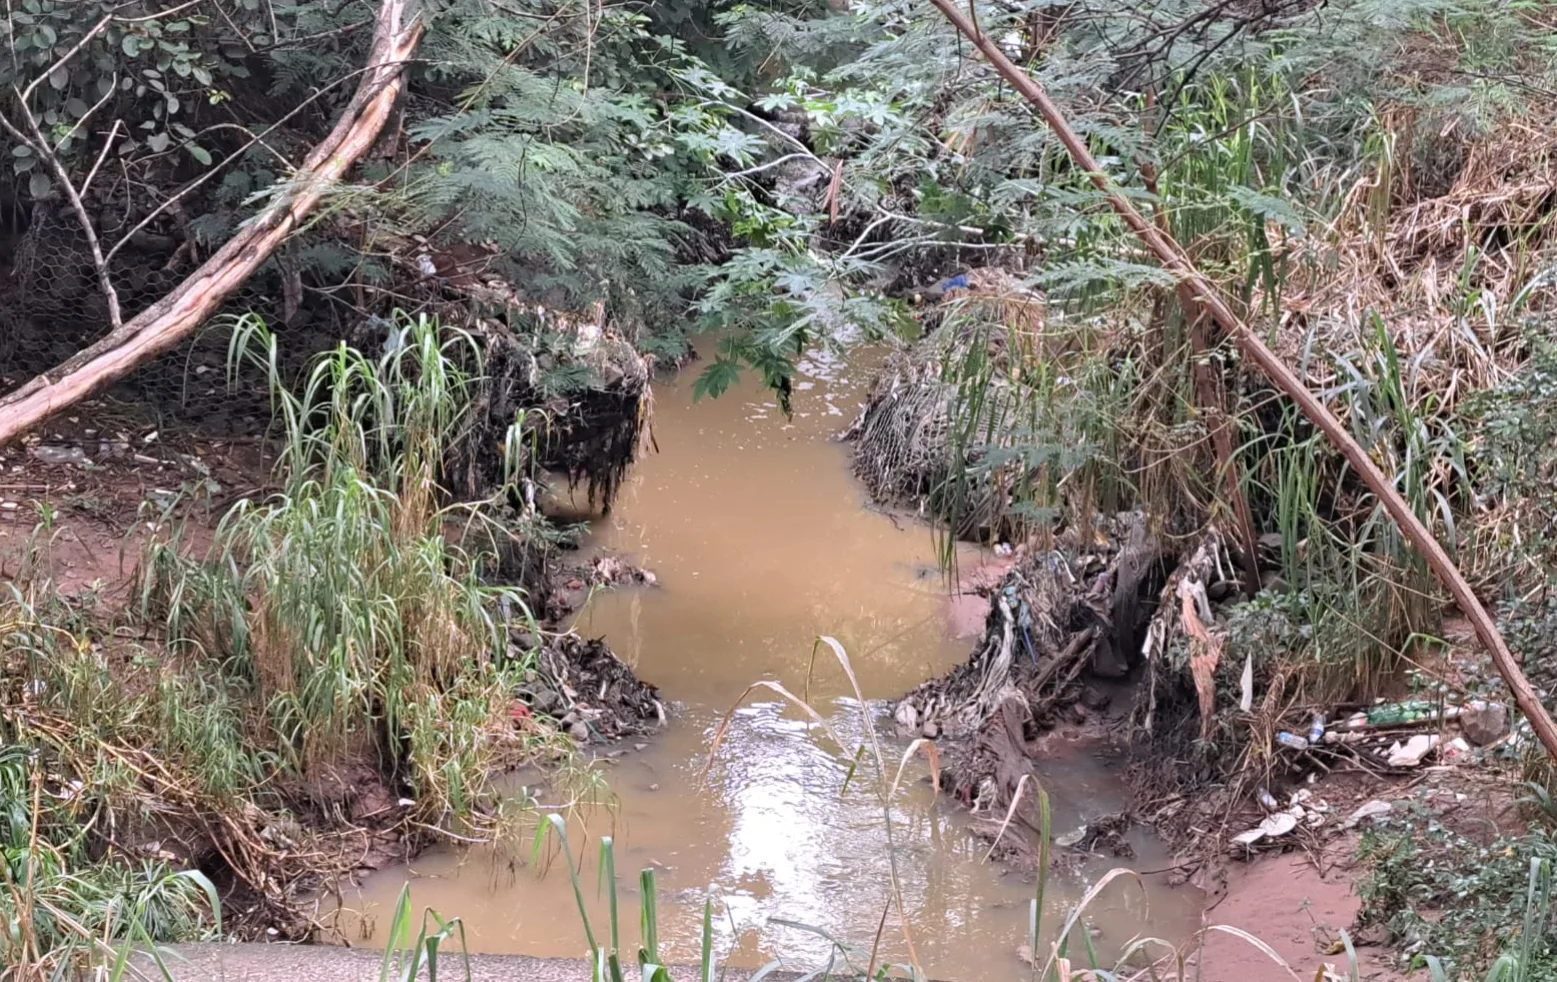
{"points": [[1484, 723]]}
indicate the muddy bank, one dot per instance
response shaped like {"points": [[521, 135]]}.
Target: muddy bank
{"points": [[1262, 782], [1298, 904], [1062, 626], [174, 710]]}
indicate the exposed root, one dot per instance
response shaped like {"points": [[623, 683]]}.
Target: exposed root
{"points": [[1056, 616], [591, 429]]}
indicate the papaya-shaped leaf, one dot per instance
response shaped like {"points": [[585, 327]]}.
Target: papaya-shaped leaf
{"points": [[716, 379]]}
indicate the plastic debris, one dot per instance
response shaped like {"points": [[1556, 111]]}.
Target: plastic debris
{"points": [[1266, 800], [61, 455], [1275, 826], [1316, 729], [1291, 741], [1484, 722], [1456, 749], [1070, 838], [1396, 713], [1372, 809], [1410, 753], [1246, 684]]}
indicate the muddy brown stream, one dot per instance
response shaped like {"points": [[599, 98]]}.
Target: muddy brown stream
{"points": [[761, 540]]}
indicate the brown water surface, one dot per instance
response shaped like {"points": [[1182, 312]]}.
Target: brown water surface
{"points": [[762, 540]]}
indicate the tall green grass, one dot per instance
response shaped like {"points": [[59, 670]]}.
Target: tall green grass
{"points": [[342, 618], [350, 604]]}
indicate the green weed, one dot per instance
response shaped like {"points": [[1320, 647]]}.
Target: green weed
{"points": [[346, 603], [1449, 898]]}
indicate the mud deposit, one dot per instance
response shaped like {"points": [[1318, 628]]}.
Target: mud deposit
{"points": [[760, 541]]}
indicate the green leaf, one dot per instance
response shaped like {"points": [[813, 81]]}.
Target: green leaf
{"points": [[39, 185], [59, 78], [716, 379], [158, 142], [1269, 208], [131, 45], [48, 33], [199, 153]]}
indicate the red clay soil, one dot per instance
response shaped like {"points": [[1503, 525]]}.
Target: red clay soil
{"points": [[100, 529], [1285, 901], [967, 607]]}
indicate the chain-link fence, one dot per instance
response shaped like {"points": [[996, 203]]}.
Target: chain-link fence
{"points": [[52, 306]]}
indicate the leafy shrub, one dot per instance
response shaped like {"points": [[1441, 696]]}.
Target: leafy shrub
{"points": [[1439, 891]]}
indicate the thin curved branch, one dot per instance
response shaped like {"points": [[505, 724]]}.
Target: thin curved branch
{"points": [[1200, 293]]}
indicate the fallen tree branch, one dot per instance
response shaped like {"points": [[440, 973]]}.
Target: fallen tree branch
{"points": [[1200, 293], [171, 319]]}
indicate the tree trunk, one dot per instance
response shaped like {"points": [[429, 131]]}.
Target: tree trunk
{"points": [[1196, 288], [174, 317]]}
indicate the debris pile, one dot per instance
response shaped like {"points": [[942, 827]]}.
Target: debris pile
{"points": [[1082, 605], [589, 692], [1057, 615], [1403, 734]]}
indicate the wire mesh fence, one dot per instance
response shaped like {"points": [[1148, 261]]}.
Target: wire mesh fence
{"points": [[52, 306]]}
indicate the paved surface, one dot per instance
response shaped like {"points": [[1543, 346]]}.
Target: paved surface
{"points": [[324, 963]]}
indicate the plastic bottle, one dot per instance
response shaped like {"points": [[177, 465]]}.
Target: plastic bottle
{"points": [[1397, 713], [1291, 741], [1316, 729]]}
